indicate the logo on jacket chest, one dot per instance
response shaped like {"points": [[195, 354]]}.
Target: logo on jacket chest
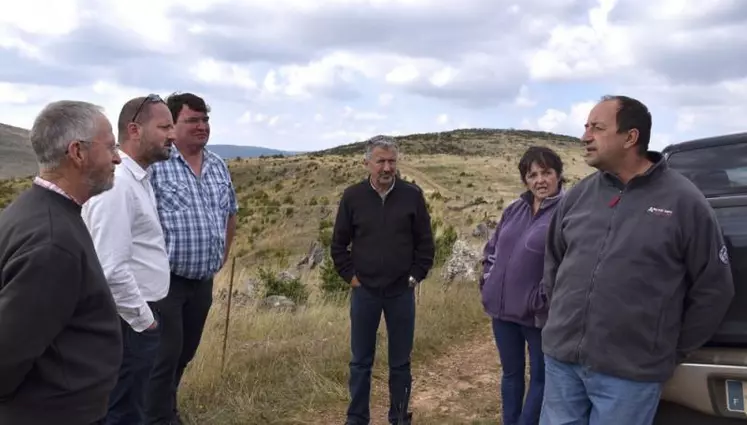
{"points": [[661, 212]]}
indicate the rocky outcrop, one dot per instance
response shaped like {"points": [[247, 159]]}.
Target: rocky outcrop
{"points": [[313, 257], [462, 263]]}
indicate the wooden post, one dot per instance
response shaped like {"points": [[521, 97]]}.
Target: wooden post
{"points": [[228, 315]]}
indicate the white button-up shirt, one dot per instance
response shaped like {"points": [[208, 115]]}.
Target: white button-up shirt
{"points": [[129, 241]]}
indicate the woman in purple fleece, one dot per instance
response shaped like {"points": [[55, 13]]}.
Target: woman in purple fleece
{"points": [[510, 283]]}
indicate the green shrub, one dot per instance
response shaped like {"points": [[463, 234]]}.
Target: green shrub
{"points": [[287, 287], [332, 285], [444, 239]]}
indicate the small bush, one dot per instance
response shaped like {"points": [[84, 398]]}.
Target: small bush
{"points": [[443, 241], [332, 285], [284, 286]]}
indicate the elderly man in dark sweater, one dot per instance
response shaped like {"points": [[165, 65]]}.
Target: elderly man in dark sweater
{"points": [[387, 222], [60, 338]]}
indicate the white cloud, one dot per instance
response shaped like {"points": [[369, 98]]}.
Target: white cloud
{"points": [[385, 99], [570, 123], [403, 74], [213, 72], [302, 75]]}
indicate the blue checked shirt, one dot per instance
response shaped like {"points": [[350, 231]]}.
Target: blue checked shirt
{"points": [[194, 212]]}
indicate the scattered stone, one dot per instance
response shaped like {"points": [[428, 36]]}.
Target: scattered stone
{"points": [[286, 275], [462, 264], [278, 302]]}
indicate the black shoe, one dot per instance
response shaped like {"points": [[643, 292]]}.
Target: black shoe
{"points": [[407, 420]]}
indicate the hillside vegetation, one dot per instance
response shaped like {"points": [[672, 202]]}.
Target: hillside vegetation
{"points": [[473, 141], [288, 364]]}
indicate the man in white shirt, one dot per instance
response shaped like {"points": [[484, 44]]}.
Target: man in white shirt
{"points": [[129, 242]]}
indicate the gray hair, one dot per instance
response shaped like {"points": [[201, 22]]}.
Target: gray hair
{"points": [[380, 141], [58, 124]]}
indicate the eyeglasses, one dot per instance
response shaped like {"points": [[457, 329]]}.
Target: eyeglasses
{"points": [[149, 98], [112, 148]]}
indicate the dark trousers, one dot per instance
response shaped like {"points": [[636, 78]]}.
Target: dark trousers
{"points": [[183, 313], [510, 339], [139, 350], [366, 307]]}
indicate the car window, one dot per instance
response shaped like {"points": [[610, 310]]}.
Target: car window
{"points": [[716, 169], [733, 222]]}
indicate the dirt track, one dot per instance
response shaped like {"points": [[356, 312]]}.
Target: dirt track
{"points": [[460, 387]]}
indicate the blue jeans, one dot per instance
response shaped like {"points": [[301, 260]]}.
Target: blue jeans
{"points": [[575, 395], [511, 340], [366, 307], [139, 350]]}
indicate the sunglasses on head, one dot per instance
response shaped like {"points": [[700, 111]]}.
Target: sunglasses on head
{"points": [[149, 98]]}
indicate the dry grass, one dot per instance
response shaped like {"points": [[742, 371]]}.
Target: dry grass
{"points": [[292, 367], [283, 200]]}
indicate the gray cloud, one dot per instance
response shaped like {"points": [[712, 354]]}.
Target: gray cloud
{"points": [[703, 63], [448, 34], [97, 44], [263, 36], [20, 69], [248, 34], [700, 48]]}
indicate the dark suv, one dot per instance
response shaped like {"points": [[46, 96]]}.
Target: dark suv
{"points": [[711, 386]]}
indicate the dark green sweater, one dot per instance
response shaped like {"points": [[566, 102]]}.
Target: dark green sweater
{"points": [[60, 337]]}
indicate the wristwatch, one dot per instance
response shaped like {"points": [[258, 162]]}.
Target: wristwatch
{"points": [[413, 281]]}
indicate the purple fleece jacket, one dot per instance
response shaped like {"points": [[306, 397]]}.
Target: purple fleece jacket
{"points": [[513, 261]]}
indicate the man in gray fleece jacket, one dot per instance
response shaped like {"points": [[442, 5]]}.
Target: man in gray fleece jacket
{"points": [[636, 276]]}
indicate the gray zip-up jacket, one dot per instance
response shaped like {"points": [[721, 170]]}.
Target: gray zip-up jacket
{"points": [[636, 276]]}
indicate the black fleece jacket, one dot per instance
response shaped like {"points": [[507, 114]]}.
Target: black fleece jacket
{"points": [[391, 237]]}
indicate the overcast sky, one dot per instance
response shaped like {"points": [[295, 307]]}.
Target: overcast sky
{"points": [[303, 75]]}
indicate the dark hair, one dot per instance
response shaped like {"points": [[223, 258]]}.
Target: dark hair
{"points": [[176, 102], [633, 114], [542, 156]]}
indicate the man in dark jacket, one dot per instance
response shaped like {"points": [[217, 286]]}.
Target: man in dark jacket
{"points": [[392, 251], [60, 337], [636, 274]]}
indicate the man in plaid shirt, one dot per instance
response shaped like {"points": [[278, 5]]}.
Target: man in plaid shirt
{"points": [[197, 208]]}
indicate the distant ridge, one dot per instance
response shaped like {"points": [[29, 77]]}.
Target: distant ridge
{"points": [[239, 151], [471, 141], [17, 158]]}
